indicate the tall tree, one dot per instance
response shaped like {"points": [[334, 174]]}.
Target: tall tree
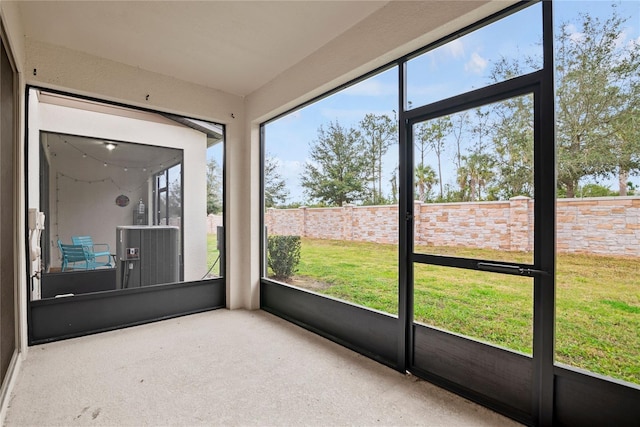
{"points": [[459, 125], [513, 144], [433, 135], [626, 146], [335, 174], [378, 132], [475, 175], [214, 187], [275, 188], [595, 77], [174, 196], [421, 143], [394, 185], [476, 167]]}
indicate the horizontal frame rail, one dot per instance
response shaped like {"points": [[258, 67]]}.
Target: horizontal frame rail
{"points": [[67, 317]]}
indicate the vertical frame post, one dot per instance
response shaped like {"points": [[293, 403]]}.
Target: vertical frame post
{"points": [[405, 227], [545, 234]]}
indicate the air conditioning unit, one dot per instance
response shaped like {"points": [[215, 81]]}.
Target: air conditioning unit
{"points": [[147, 255]]}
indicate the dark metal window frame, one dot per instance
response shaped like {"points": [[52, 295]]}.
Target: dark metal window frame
{"points": [[549, 393], [158, 190]]}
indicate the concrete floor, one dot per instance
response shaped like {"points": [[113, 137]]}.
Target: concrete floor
{"points": [[224, 368]]}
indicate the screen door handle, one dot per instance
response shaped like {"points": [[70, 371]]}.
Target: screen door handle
{"points": [[510, 269]]}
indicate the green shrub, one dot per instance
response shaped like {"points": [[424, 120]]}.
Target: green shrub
{"points": [[283, 255]]}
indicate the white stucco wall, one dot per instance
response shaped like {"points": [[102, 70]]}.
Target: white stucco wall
{"points": [[82, 74], [81, 208]]}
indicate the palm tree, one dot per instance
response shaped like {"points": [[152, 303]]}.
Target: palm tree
{"points": [[432, 135], [425, 179], [474, 175], [481, 166]]}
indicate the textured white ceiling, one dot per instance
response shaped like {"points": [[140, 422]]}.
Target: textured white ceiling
{"points": [[234, 46]]}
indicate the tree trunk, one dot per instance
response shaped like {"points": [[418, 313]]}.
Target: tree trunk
{"points": [[440, 178], [571, 189], [379, 180], [623, 177], [472, 185]]}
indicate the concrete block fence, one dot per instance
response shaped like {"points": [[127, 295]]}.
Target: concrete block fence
{"points": [[603, 225], [213, 222]]}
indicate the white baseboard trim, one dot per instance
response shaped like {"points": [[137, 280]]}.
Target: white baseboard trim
{"points": [[8, 383]]}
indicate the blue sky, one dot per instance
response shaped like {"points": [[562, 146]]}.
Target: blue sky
{"points": [[451, 69]]}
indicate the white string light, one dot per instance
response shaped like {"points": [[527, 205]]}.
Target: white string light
{"points": [[151, 168], [85, 181], [96, 181]]}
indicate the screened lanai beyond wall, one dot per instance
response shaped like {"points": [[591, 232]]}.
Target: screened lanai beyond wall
{"points": [[114, 186], [411, 215]]}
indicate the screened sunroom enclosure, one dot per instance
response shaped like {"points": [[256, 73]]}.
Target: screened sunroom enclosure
{"points": [[421, 219], [460, 212], [111, 186]]}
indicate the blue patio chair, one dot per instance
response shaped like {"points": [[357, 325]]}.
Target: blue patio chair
{"points": [[74, 257], [91, 248]]}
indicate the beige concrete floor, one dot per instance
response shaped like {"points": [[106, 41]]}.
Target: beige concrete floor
{"points": [[224, 368]]}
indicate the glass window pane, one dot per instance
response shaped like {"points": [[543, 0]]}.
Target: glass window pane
{"points": [[489, 307], [597, 60], [215, 206], [175, 195], [111, 196], [330, 181], [162, 208], [473, 183], [478, 59]]}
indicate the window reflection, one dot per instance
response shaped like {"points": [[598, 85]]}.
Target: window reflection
{"points": [[113, 198]]}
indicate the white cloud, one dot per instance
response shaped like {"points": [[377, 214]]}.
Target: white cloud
{"points": [[476, 64], [574, 35], [454, 48], [621, 39], [290, 169], [443, 54]]}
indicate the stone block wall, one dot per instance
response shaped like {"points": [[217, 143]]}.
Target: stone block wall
{"points": [[323, 223], [482, 225], [377, 224], [606, 225], [603, 225], [213, 222]]}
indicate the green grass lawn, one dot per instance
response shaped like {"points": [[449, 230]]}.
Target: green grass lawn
{"points": [[212, 254], [597, 299]]}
